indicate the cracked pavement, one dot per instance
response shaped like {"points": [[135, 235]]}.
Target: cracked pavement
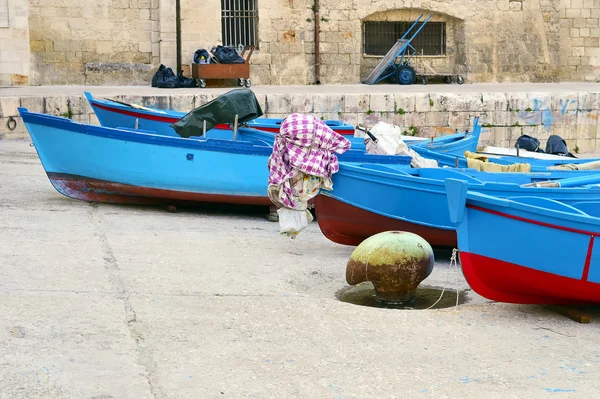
{"points": [[100, 301]]}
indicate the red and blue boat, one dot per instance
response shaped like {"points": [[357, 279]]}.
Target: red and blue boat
{"points": [[115, 114], [527, 249], [370, 199], [128, 166]]}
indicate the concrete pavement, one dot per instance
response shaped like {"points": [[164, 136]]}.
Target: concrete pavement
{"points": [[101, 301]]}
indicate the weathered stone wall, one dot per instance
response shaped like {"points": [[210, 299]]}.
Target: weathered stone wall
{"points": [[504, 116], [14, 43], [492, 41], [91, 42], [285, 53], [124, 41], [580, 35]]}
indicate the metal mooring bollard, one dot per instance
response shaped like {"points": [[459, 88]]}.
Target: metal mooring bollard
{"points": [[395, 262]]}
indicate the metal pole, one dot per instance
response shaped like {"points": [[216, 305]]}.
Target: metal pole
{"points": [[235, 124], [178, 32], [317, 52]]}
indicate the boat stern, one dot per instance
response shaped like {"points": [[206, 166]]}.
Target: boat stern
{"points": [[456, 195]]}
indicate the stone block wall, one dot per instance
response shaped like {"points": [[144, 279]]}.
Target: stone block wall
{"points": [[285, 53], [503, 116], [94, 43], [580, 36], [14, 43], [112, 42], [493, 41]]}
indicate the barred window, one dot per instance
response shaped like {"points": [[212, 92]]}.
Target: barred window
{"points": [[380, 36], [239, 23]]}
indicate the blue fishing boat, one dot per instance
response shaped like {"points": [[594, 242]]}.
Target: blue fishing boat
{"points": [[128, 166], [370, 199], [116, 114], [539, 251], [453, 144], [537, 165]]}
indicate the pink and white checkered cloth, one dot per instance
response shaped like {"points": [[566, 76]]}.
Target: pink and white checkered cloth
{"points": [[305, 144]]}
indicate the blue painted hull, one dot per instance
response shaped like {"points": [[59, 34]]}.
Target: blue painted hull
{"points": [[539, 251], [453, 145], [111, 114], [370, 199], [114, 165], [537, 165], [115, 115]]}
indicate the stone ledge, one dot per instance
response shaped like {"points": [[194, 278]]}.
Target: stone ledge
{"points": [[504, 116], [117, 67]]}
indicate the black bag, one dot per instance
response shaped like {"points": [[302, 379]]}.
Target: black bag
{"points": [[168, 80], [159, 72], [557, 146], [528, 143], [185, 81], [227, 55], [201, 56]]}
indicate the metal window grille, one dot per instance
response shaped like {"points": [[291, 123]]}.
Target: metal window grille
{"points": [[239, 22], [380, 37]]}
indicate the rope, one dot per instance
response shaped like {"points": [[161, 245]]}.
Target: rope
{"points": [[452, 262]]}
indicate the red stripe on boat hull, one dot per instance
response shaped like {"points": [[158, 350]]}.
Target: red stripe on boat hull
{"points": [[221, 126], [87, 189], [138, 115], [349, 225], [539, 223], [507, 282]]}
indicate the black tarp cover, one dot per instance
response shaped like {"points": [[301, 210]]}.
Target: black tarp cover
{"points": [[222, 109]]}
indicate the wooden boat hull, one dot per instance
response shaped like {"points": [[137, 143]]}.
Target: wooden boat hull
{"points": [[509, 282], [369, 199], [349, 225], [115, 115], [111, 114], [89, 162], [527, 250], [537, 165], [96, 163], [94, 190], [454, 144]]}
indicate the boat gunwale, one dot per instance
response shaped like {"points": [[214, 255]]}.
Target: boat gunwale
{"points": [[487, 203]]}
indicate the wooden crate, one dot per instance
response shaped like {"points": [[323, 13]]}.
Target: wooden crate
{"points": [[204, 72]]}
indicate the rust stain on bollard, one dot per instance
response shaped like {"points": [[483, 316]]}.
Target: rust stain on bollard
{"points": [[394, 261]]}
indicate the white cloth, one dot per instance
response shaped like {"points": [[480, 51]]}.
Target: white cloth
{"points": [[389, 142]]}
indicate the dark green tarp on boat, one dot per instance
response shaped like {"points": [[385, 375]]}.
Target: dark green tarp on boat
{"points": [[222, 109]]}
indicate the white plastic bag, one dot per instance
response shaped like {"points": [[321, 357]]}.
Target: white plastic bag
{"points": [[292, 222]]}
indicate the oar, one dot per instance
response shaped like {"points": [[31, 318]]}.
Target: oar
{"points": [[367, 132], [567, 182], [135, 106], [119, 102]]}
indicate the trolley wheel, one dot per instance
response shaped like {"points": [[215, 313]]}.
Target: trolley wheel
{"points": [[241, 82], [460, 80], [202, 83], [448, 79], [406, 75], [248, 83], [425, 80]]}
